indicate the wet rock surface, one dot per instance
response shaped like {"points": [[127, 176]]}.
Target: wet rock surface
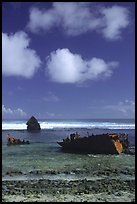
{"points": [[73, 187], [33, 125], [104, 189]]}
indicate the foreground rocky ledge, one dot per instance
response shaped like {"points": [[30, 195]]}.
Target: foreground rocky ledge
{"points": [[92, 179], [98, 197], [77, 190]]}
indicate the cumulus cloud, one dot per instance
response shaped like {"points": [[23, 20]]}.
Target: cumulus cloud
{"points": [[17, 58], [8, 112], [115, 18], [66, 67], [76, 18], [41, 20]]}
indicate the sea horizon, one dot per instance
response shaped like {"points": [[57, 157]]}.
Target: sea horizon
{"points": [[69, 118], [20, 124]]}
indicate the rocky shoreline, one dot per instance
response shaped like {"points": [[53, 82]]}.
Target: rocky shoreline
{"points": [[109, 185]]}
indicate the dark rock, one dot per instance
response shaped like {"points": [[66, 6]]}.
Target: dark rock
{"points": [[33, 125], [133, 200]]}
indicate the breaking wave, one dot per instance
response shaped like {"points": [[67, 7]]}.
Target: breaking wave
{"points": [[64, 124]]}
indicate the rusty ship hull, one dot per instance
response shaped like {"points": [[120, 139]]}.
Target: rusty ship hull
{"points": [[97, 144]]}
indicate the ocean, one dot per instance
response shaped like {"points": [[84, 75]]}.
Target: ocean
{"points": [[44, 151], [54, 130], [78, 123], [41, 168]]}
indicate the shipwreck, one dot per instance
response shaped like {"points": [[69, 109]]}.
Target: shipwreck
{"points": [[96, 144]]}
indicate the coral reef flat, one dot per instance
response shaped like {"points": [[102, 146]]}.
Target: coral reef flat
{"points": [[41, 172]]}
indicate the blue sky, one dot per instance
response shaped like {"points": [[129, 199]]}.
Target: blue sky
{"points": [[68, 60]]}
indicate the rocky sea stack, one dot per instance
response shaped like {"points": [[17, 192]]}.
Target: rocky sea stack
{"points": [[33, 125]]}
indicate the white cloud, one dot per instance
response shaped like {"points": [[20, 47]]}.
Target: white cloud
{"points": [[51, 97], [76, 18], [8, 112], [41, 20], [115, 18], [66, 67], [120, 110], [17, 58], [126, 107], [20, 112]]}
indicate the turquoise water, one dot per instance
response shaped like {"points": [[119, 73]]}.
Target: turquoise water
{"points": [[48, 158], [45, 155]]}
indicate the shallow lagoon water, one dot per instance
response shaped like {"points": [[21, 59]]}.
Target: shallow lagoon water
{"points": [[43, 161], [44, 153], [44, 157]]}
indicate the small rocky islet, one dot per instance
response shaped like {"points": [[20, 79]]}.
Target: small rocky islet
{"points": [[33, 125]]}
